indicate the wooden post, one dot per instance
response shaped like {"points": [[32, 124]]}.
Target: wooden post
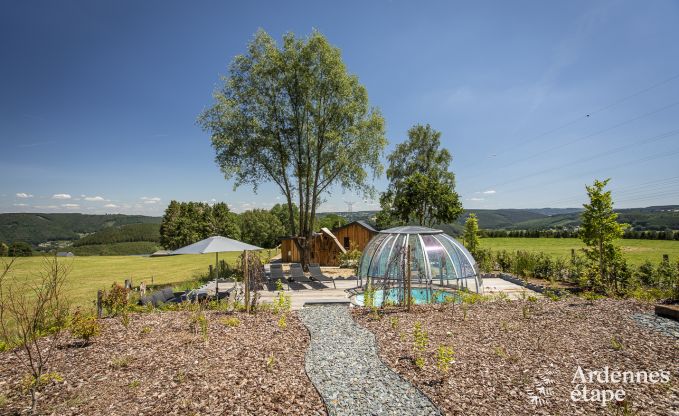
{"points": [[246, 280], [100, 301]]}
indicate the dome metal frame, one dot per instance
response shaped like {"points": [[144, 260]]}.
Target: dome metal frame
{"points": [[427, 256]]}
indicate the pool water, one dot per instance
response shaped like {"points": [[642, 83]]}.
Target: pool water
{"points": [[419, 296]]}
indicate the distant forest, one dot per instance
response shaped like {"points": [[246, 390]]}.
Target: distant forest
{"points": [[138, 234]]}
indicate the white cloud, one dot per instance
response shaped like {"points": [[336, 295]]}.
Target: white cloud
{"points": [[110, 206], [476, 199], [20, 205], [150, 199], [24, 195], [47, 206], [94, 198], [61, 196], [489, 192], [70, 205]]}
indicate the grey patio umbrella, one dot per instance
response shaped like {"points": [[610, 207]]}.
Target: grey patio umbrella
{"points": [[215, 244]]}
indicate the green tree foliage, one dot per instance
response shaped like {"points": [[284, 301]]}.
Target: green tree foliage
{"points": [[4, 249], [261, 228], [471, 234], [185, 223], [20, 249], [294, 116], [281, 212], [598, 231], [330, 221], [421, 188], [122, 234]]}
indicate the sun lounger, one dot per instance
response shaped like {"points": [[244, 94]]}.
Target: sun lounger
{"points": [[317, 274], [297, 274], [275, 275]]}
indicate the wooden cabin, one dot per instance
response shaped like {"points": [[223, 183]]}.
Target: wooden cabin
{"points": [[327, 245]]}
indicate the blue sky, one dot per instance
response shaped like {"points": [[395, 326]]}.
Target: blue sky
{"points": [[99, 99]]}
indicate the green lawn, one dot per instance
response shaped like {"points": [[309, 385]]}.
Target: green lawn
{"points": [[88, 274], [636, 251]]}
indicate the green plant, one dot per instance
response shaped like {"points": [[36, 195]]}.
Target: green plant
{"points": [[445, 356], [616, 343], [420, 343], [199, 325], [30, 382], [3, 400], [134, 384], [526, 310], [3, 346], [552, 295], [282, 323], [121, 362], [84, 326], [504, 327], [231, 322], [124, 318], [501, 352], [394, 322], [115, 300], [590, 296], [464, 311], [33, 317], [145, 330], [270, 362], [179, 377]]}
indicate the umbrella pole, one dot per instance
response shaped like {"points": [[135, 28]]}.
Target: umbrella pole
{"points": [[217, 275]]}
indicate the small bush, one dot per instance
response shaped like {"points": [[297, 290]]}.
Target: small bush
{"points": [[121, 362], [282, 322], [115, 300], [30, 382], [230, 322], [393, 321], [145, 330], [420, 343], [199, 325], [84, 326], [445, 356], [617, 344], [270, 362], [135, 383]]}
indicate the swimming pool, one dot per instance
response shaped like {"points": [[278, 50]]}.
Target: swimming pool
{"points": [[419, 295]]}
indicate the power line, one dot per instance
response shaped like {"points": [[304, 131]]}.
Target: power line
{"points": [[609, 168], [585, 116], [605, 153], [607, 129]]}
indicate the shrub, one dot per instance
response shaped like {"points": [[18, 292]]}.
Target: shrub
{"points": [[420, 343], [230, 322], [4, 249], [20, 249], [445, 356], [282, 323], [84, 326], [115, 300], [199, 324]]}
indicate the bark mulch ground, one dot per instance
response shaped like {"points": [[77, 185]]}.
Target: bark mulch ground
{"points": [[509, 364], [158, 366]]}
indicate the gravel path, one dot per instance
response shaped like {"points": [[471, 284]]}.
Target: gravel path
{"points": [[343, 364], [658, 323]]}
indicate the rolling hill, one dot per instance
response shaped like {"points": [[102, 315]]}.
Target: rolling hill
{"points": [[39, 228]]}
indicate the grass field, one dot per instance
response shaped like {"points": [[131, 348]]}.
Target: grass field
{"points": [[636, 251], [88, 274]]}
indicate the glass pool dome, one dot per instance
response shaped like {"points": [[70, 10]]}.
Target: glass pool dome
{"points": [[434, 258]]}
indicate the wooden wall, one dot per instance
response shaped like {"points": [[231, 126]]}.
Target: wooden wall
{"points": [[357, 234], [324, 251]]}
